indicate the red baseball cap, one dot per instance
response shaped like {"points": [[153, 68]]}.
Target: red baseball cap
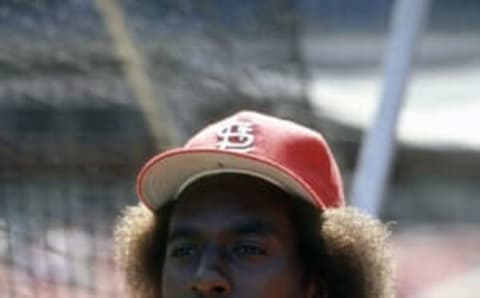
{"points": [[295, 158]]}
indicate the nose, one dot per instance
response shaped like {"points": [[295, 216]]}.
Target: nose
{"points": [[211, 279], [211, 285]]}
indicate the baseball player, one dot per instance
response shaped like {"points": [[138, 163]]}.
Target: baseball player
{"points": [[250, 207]]}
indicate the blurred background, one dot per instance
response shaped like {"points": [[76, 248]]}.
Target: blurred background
{"points": [[90, 90]]}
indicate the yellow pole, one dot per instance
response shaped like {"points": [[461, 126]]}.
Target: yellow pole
{"points": [[152, 104]]}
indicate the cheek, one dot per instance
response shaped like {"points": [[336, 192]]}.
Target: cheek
{"points": [[281, 280], [174, 282]]}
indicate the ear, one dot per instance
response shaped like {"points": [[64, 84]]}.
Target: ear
{"points": [[311, 291], [315, 290]]}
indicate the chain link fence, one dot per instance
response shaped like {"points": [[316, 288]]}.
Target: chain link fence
{"points": [[73, 132]]}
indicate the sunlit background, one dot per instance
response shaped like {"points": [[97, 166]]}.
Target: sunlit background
{"points": [[89, 90]]}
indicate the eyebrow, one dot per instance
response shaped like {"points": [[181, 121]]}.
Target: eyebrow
{"points": [[244, 227], [252, 227], [183, 233]]}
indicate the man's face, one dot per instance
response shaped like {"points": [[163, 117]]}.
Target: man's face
{"points": [[231, 237]]}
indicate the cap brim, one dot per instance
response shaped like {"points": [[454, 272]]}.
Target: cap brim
{"points": [[162, 178]]}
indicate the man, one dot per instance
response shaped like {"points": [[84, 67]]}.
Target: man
{"points": [[250, 207]]}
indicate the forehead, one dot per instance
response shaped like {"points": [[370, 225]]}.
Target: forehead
{"points": [[224, 199]]}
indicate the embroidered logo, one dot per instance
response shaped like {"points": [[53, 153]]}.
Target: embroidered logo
{"points": [[237, 136]]}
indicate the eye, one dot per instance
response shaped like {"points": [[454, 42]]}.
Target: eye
{"points": [[249, 250], [184, 251]]}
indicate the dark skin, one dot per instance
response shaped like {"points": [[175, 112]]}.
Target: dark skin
{"points": [[231, 236]]}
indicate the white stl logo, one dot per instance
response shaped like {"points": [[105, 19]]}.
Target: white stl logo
{"points": [[236, 136]]}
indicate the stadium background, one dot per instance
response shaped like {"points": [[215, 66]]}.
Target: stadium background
{"points": [[74, 131]]}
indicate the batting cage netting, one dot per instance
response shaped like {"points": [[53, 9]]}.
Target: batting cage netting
{"points": [[83, 104], [91, 89]]}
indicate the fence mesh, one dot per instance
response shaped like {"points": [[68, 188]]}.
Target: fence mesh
{"points": [[73, 133]]}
